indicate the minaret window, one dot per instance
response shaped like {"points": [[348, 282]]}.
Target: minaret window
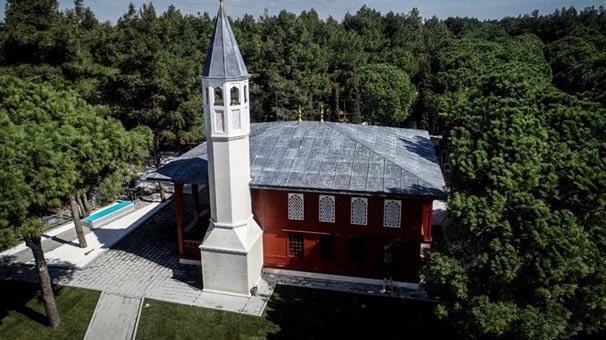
{"points": [[245, 94], [234, 95], [218, 96]]}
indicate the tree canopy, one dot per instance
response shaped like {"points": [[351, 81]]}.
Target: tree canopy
{"points": [[55, 143]]}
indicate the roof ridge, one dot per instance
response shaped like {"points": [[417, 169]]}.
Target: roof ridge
{"points": [[222, 16], [271, 128], [337, 127]]}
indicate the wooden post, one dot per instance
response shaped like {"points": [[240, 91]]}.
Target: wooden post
{"points": [[194, 203], [179, 216]]}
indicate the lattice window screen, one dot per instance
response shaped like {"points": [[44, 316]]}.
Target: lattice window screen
{"points": [[392, 213], [359, 211], [327, 209], [295, 207]]}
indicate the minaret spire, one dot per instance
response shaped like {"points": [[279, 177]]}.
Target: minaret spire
{"points": [[223, 59]]}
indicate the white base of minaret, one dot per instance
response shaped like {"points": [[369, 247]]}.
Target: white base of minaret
{"points": [[232, 258]]}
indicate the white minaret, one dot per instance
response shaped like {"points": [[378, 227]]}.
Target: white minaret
{"points": [[232, 250]]}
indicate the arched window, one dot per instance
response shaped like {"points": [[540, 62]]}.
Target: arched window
{"points": [[327, 209], [245, 93], [295, 207], [392, 211], [218, 96], [359, 211], [234, 95]]}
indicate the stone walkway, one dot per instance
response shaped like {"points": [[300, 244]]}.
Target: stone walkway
{"points": [[344, 284], [116, 317]]}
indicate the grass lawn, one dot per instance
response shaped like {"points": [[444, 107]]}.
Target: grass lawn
{"points": [[297, 313], [22, 313]]}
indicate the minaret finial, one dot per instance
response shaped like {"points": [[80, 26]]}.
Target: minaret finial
{"points": [[300, 114], [221, 3], [321, 113]]}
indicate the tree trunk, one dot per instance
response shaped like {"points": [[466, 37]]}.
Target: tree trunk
{"points": [[77, 222], [162, 198], [52, 313], [158, 164], [87, 206], [80, 206]]}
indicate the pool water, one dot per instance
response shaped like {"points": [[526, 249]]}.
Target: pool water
{"points": [[107, 211]]}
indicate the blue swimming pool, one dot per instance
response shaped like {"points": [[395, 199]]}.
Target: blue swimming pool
{"points": [[109, 214]]}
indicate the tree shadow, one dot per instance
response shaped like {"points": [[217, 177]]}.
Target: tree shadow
{"points": [[420, 191], [19, 286], [304, 313], [422, 147]]}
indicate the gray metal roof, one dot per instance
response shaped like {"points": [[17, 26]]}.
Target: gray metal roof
{"points": [[328, 156], [223, 59]]}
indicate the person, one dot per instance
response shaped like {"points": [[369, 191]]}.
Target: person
{"points": [[388, 266]]}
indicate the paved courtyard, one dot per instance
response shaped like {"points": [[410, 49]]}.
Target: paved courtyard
{"points": [[144, 264]]}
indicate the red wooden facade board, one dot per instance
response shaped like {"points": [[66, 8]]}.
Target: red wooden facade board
{"points": [[270, 208]]}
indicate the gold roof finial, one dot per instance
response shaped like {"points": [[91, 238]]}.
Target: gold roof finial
{"points": [[321, 113], [300, 114]]}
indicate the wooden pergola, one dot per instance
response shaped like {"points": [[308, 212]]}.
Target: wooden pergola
{"points": [[189, 237], [190, 169]]}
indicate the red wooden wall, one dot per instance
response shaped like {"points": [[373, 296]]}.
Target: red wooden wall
{"points": [[270, 208]]}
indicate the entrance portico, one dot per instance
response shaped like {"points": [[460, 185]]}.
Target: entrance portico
{"points": [[191, 229]]}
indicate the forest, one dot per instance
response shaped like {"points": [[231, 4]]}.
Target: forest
{"points": [[520, 103]]}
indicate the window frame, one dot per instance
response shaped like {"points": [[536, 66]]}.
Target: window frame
{"points": [[291, 216], [218, 90], [389, 202], [299, 251], [234, 95], [334, 208], [351, 210], [326, 242], [357, 250]]}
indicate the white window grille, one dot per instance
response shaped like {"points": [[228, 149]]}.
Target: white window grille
{"points": [[392, 212], [295, 207], [359, 211], [327, 209]]}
